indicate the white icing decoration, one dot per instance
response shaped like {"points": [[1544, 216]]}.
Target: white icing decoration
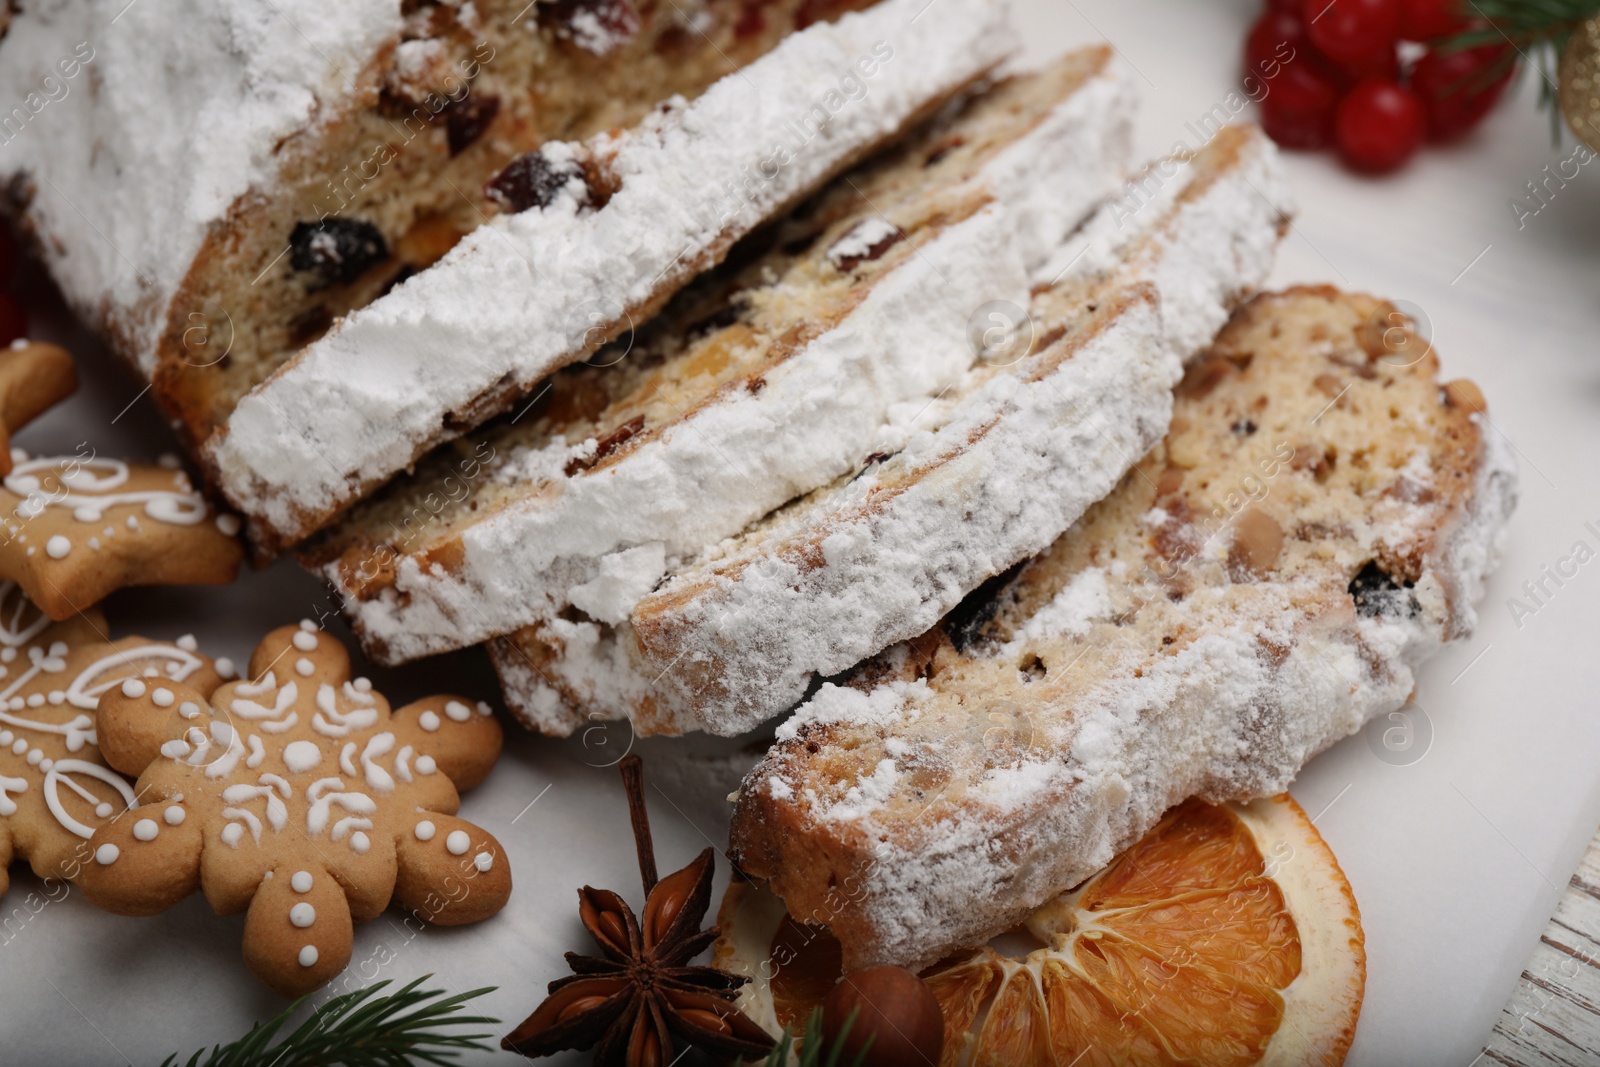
{"points": [[174, 815], [9, 786], [187, 641], [162, 698], [302, 915], [359, 843], [307, 626], [107, 854], [249, 709], [87, 485], [87, 688], [301, 756], [57, 547], [483, 861], [228, 524], [425, 830], [425, 765], [458, 842], [362, 685], [377, 777], [457, 711], [102, 809], [329, 721], [484, 708], [322, 799], [62, 773], [308, 956], [304, 667], [300, 881], [305, 640], [278, 726], [257, 752], [146, 830], [189, 709], [133, 688], [428, 721], [222, 734], [402, 764], [267, 683], [347, 762], [224, 666], [231, 834]]}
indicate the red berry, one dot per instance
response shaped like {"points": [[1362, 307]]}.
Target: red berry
{"points": [[1423, 20], [1275, 39], [8, 256], [1385, 65], [1297, 111], [13, 320], [1352, 31], [1455, 88], [1292, 7], [1379, 126]]}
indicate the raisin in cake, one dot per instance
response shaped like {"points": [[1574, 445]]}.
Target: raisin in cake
{"points": [[765, 381], [992, 472], [222, 179], [1318, 522], [610, 228]]}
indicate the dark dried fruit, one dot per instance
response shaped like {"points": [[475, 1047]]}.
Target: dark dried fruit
{"points": [[1244, 427], [336, 250], [608, 444], [529, 181], [1376, 593], [465, 120], [596, 26]]}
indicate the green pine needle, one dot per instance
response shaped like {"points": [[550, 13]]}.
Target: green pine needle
{"points": [[813, 1056], [359, 1029], [1538, 30]]}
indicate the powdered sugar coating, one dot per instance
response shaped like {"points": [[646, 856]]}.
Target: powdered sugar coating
{"points": [[511, 302], [198, 116]]}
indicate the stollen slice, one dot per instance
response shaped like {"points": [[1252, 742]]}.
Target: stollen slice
{"points": [[1318, 522], [767, 379], [968, 483], [611, 228]]}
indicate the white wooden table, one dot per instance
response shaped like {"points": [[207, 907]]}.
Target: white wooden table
{"points": [[1553, 1017]]}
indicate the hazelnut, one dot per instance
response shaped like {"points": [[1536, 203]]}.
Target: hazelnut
{"points": [[1257, 544], [892, 1008], [1464, 393]]}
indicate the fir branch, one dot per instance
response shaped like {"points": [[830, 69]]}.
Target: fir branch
{"points": [[813, 1052], [359, 1029], [1537, 30]]}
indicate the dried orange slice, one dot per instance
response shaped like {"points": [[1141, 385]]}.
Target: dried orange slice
{"points": [[1226, 936]]}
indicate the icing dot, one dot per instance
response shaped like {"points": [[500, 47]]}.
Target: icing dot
{"points": [[458, 711], [425, 830], [162, 698], [173, 815], [107, 853], [224, 666], [57, 547], [363, 685], [46, 764], [300, 881], [188, 709], [301, 756], [302, 915], [428, 721], [231, 834], [94, 542], [6, 737], [305, 667], [308, 626], [133, 688], [145, 829], [483, 861], [425, 765], [308, 956], [458, 842], [20, 747], [103, 810], [7, 654], [36, 700], [35, 756], [87, 514], [57, 697], [305, 640], [133, 522], [360, 842], [228, 524], [187, 643], [484, 709]]}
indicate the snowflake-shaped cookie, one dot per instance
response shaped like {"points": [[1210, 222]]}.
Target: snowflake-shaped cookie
{"points": [[298, 797], [55, 788]]}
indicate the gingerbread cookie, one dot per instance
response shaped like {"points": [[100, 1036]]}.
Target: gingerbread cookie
{"points": [[33, 377], [55, 788], [74, 528], [299, 797]]}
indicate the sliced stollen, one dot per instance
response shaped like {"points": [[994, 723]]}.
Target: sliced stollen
{"points": [[1319, 521], [960, 489], [769, 378], [230, 176], [611, 228]]}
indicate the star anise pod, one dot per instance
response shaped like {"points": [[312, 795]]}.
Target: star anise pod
{"points": [[639, 1001]]}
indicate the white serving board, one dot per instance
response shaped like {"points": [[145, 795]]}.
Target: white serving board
{"points": [[1457, 858]]}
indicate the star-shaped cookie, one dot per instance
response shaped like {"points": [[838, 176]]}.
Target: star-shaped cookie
{"points": [[75, 528], [55, 788], [33, 377], [299, 798]]}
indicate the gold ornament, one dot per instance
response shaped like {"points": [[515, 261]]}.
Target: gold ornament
{"points": [[1579, 83]]}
